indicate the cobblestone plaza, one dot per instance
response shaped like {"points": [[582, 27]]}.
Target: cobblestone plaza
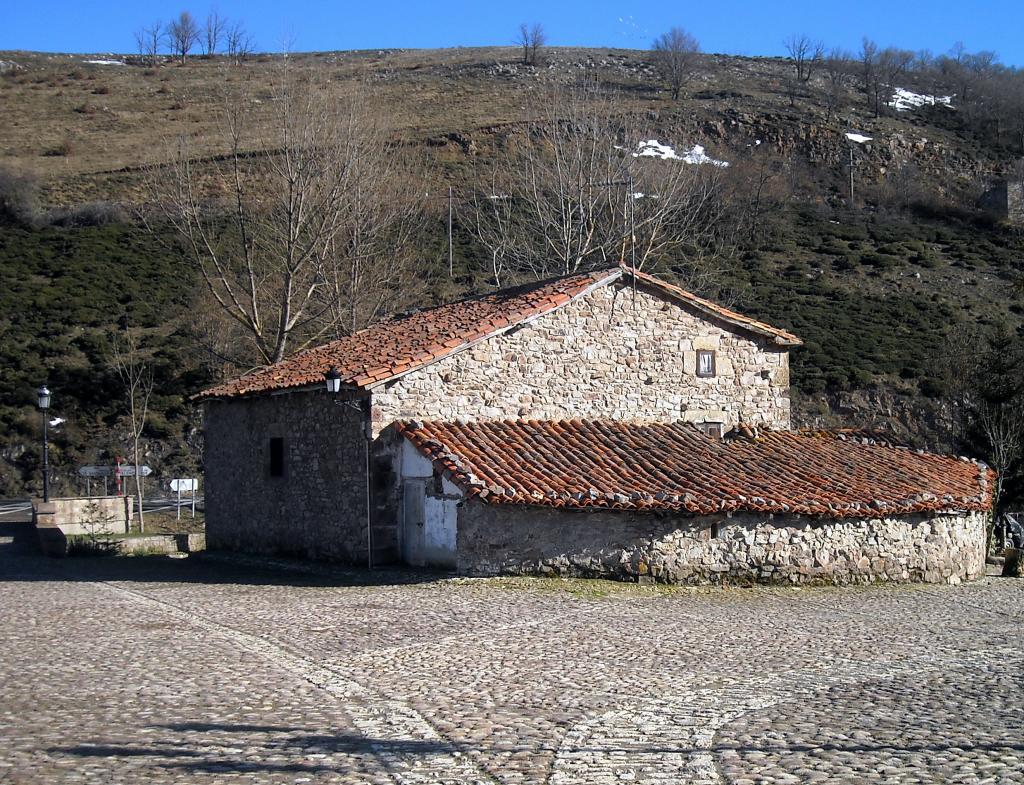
{"points": [[158, 670]]}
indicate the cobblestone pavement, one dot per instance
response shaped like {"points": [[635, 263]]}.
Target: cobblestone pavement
{"points": [[198, 671]]}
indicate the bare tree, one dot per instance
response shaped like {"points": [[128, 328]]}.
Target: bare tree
{"points": [[136, 376], [183, 34], [805, 54], [581, 191], [871, 76], [985, 381], [838, 73], [238, 42], [307, 228], [213, 32], [531, 38], [675, 55], [881, 70], [150, 39]]}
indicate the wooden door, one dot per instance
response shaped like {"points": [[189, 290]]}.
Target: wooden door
{"points": [[414, 493]]}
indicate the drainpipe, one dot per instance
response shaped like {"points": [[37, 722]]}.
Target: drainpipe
{"points": [[368, 434]]}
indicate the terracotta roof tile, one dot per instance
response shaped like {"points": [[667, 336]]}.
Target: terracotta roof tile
{"points": [[616, 465], [407, 342]]}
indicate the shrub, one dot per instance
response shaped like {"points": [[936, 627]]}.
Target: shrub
{"points": [[64, 148], [19, 202], [89, 214]]}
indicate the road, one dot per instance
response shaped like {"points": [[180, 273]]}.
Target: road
{"points": [[21, 509], [147, 670]]}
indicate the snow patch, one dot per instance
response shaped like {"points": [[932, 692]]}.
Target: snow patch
{"points": [[858, 138], [904, 100], [652, 148], [105, 62]]}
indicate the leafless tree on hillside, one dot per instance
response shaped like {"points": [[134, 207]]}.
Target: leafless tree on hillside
{"points": [[136, 376], [307, 228], [675, 55], [986, 393], [150, 40], [213, 33], [572, 194], [238, 43], [531, 38], [838, 76], [805, 54], [183, 34], [881, 70]]}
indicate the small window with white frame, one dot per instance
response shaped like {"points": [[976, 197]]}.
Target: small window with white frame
{"points": [[705, 363]]}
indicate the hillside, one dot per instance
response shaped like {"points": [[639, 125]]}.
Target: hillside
{"points": [[873, 287]]}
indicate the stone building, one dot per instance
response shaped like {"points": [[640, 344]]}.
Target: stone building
{"points": [[1005, 200], [293, 469], [667, 502]]}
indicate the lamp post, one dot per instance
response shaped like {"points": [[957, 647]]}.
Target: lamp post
{"points": [[44, 406]]}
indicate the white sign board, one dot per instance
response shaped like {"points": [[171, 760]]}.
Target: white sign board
{"points": [[125, 470], [183, 486]]}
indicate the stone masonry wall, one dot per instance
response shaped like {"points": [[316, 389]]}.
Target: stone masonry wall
{"points": [[317, 509], [747, 548], [603, 356]]}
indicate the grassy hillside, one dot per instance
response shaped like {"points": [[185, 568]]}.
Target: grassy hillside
{"points": [[873, 288]]}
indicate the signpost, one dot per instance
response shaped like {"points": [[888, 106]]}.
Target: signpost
{"points": [[91, 473], [129, 471], [189, 486]]}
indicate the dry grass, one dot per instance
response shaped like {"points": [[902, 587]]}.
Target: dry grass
{"points": [[111, 118]]}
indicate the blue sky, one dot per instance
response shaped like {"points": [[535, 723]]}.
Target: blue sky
{"points": [[733, 26]]}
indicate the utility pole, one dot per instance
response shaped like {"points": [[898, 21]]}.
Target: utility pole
{"points": [[851, 175], [450, 240]]}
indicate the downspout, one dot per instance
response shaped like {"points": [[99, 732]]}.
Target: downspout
{"points": [[368, 435]]}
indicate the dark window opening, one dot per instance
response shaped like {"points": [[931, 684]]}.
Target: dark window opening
{"points": [[705, 362], [713, 429], [276, 456], [716, 531]]}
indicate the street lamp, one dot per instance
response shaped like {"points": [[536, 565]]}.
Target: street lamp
{"points": [[333, 378], [44, 406]]}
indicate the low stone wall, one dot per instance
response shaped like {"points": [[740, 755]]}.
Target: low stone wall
{"points": [[85, 514], [161, 543], [746, 548]]}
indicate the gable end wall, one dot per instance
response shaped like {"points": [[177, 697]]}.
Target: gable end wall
{"points": [[606, 355]]}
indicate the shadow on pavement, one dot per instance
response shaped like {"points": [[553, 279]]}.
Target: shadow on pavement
{"points": [[208, 568], [284, 749]]}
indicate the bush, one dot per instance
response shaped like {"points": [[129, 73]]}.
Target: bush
{"points": [[88, 545], [89, 214], [18, 198]]}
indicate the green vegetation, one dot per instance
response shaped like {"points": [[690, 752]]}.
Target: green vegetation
{"points": [[856, 291], [64, 293]]}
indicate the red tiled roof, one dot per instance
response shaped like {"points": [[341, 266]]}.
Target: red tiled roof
{"points": [[396, 346], [674, 466]]}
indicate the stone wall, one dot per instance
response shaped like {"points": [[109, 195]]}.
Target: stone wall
{"points": [[1006, 201], [607, 355], [746, 548], [85, 514], [317, 509]]}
